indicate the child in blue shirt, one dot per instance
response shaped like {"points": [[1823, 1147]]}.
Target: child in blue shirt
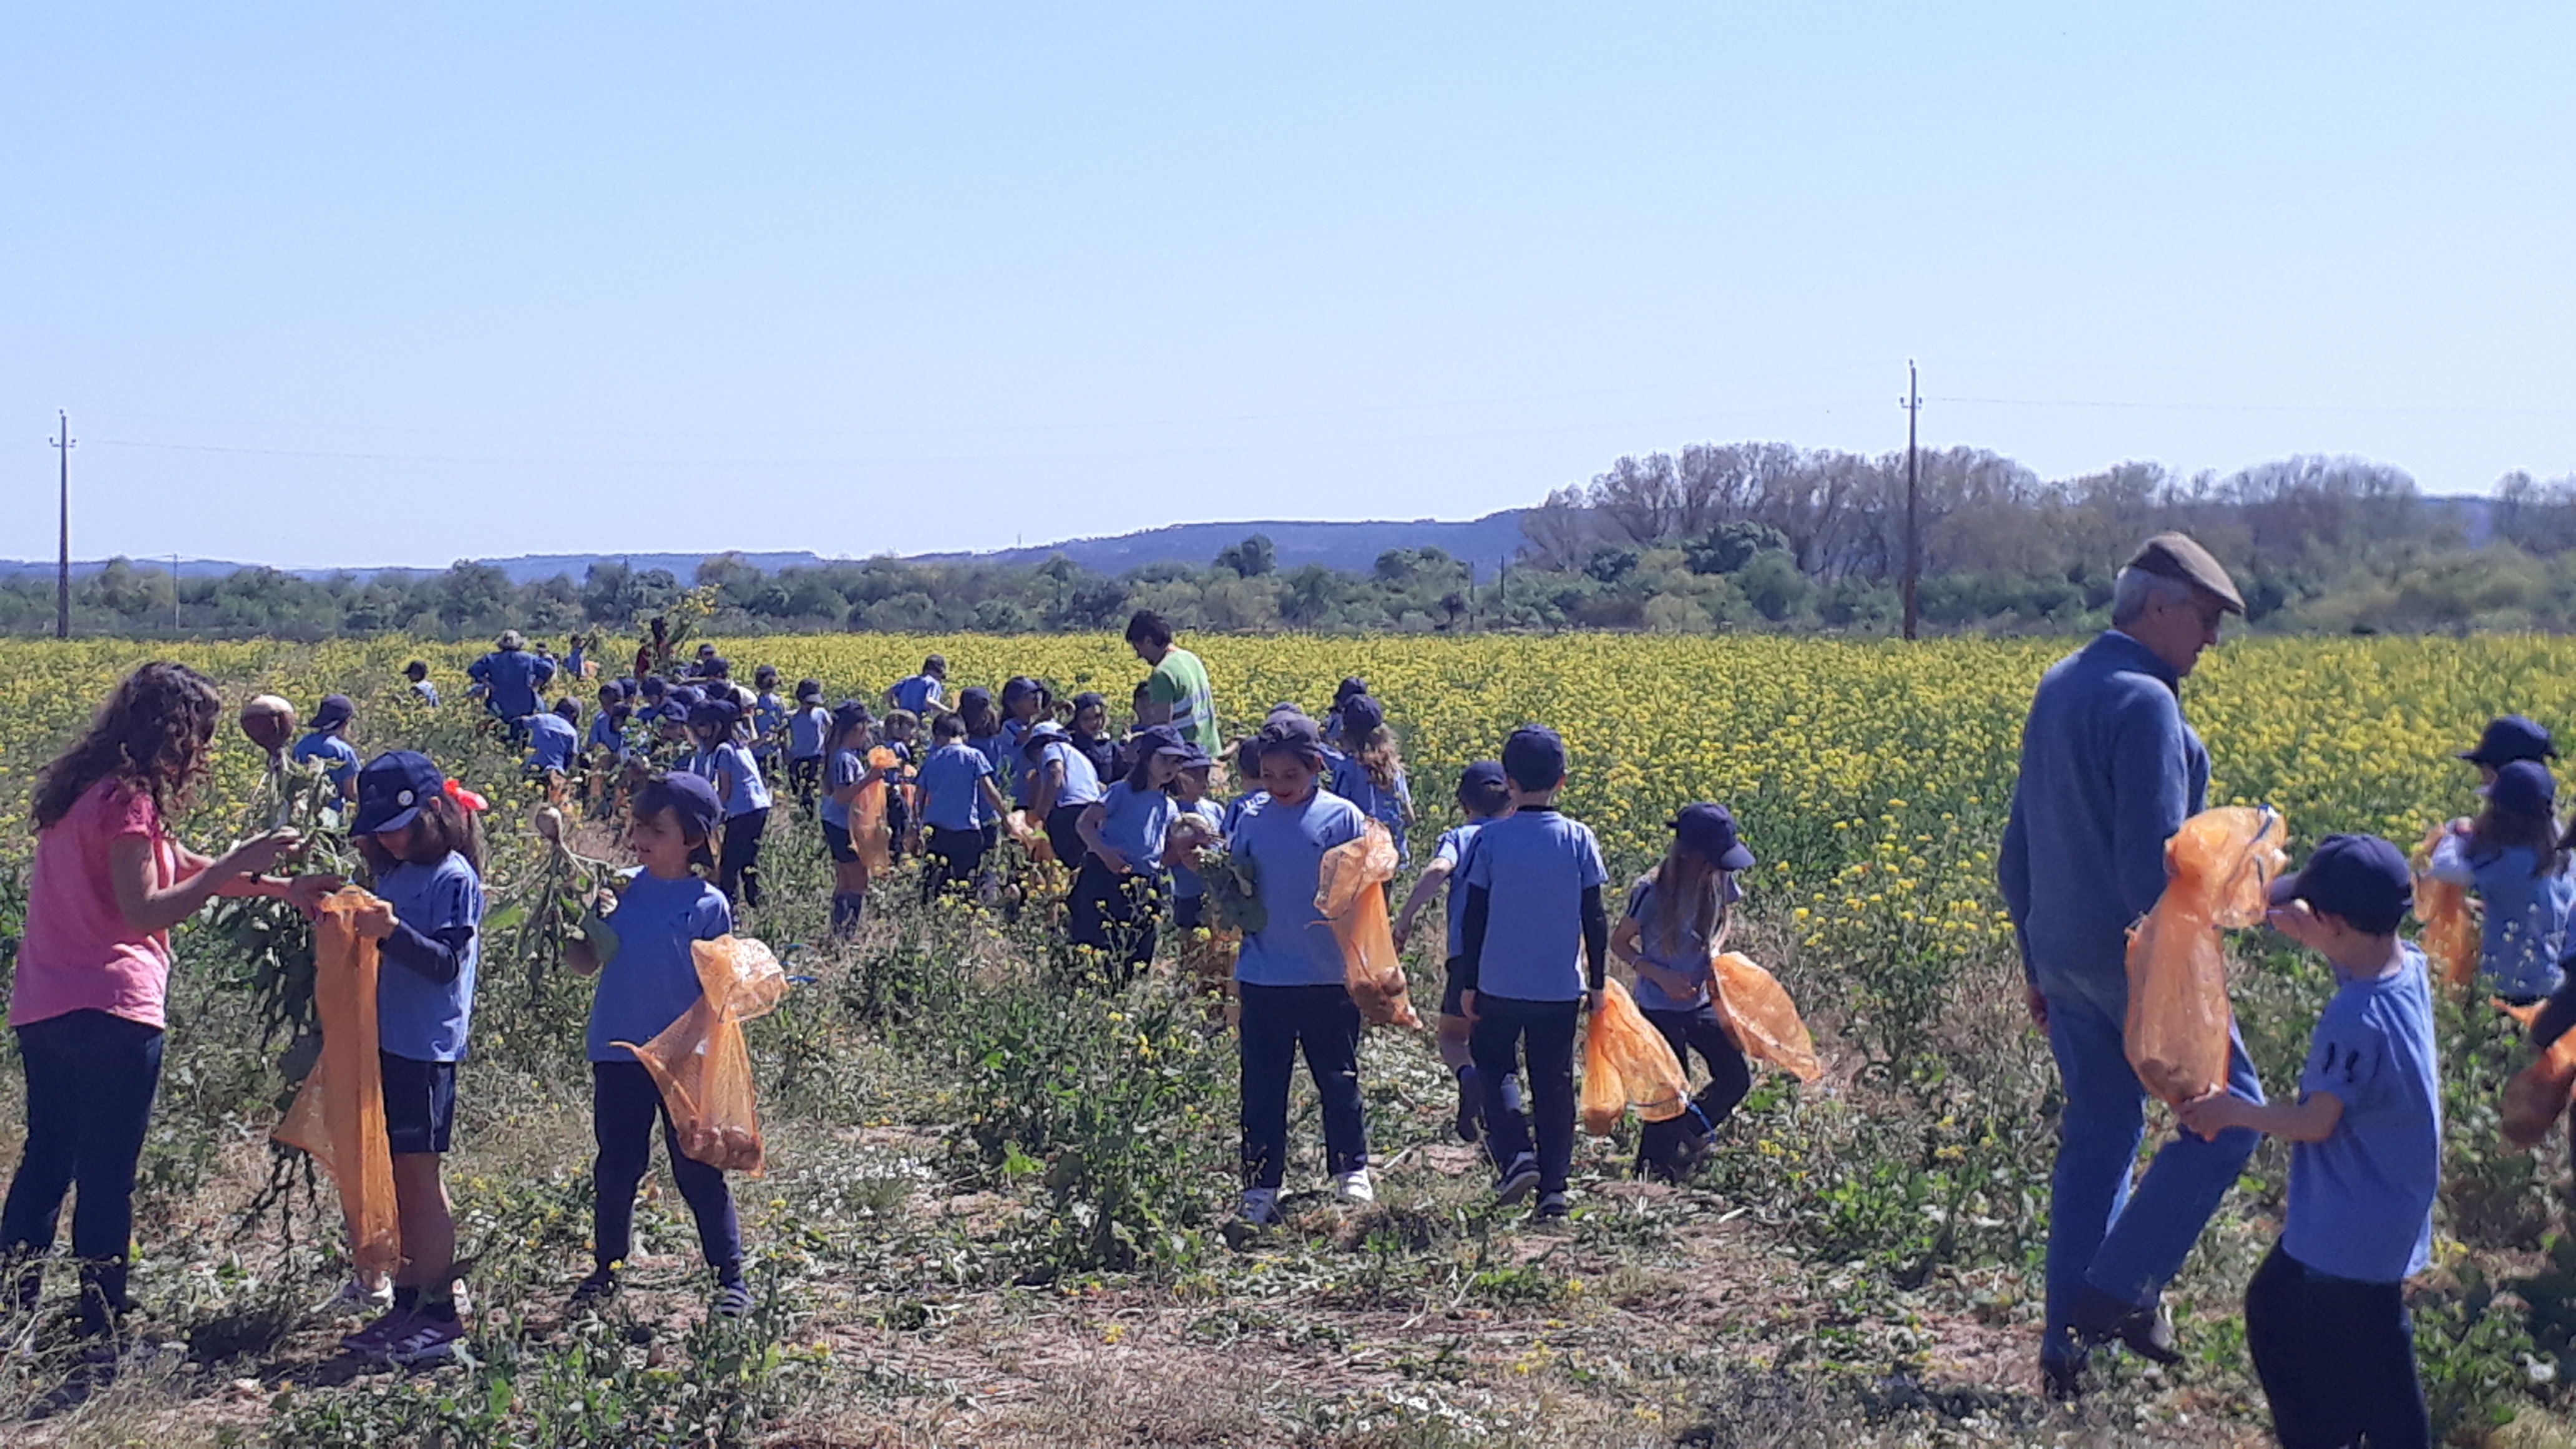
{"points": [[1536, 943], [1118, 895], [725, 762], [426, 856], [1484, 796], [647, 979], [959, 805], [902, 739], [806, 726], [2512, 856], [2325, 1316], [554, 736], [768, 718], [606, 742], [1674, 927], [323, 742], [1025, 703], [1247, 774], [1289, 974], [422, 691], [1369, 772], [918, 694], [1201, 821], [1062, 783], [846, 772]]}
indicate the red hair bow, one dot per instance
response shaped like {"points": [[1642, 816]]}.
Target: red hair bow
{"points": [[466, 798]]}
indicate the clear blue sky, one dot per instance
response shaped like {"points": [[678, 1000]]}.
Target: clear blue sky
{"points": [[399, 284]]}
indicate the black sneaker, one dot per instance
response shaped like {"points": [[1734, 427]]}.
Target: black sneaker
{"points": [[1517, 1182], [1551, 1206], [2102, 1317], [593, 1291], [1471, 1111]]}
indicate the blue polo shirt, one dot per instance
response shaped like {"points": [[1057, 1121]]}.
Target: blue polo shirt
{"points": [[805, 732], [2109, 771], [731, 760], [1015, 764], [511, 679], [608, 732], [846, 768], [552, 741], [916, 692], [948, 784], [1452, 848], [1535, 865], [2361, 1201], [768, 715], [1081, 782], [1135, 821], [341, 755], [1286, 845], [1687, 954], [416, 1017], [652, 979], [2525, 917], [1385, 804], [1187, 883]]}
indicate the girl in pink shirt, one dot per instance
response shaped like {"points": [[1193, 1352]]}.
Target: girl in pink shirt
{"points": [[94, 970]]}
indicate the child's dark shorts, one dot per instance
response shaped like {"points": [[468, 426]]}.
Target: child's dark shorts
{"points": [[420, 1103], [836, 839]]}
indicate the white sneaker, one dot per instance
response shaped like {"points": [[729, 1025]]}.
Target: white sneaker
{"points": [[1261, 1207], [355, 1296], [1354, 1187]]}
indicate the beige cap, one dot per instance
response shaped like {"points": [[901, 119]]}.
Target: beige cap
{"points": [[2175, 556]]}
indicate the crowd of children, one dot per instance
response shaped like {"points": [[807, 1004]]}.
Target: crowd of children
{"points": [[1528, 936]]}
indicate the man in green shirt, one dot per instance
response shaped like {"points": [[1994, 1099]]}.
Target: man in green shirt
{"points": [[1177, 694]]}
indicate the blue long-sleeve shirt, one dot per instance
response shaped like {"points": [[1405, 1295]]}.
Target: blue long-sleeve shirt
{"points": [[2109, 771], [513, 677]]}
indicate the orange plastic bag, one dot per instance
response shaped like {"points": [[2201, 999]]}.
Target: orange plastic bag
{"points": [[1626, 1062], [2219, 870], [2450, 935], [1029, 836], [1350, 891], [2537, 1096], [700, 1062], [868, 828], [1758, 1013], [339, 1114]]}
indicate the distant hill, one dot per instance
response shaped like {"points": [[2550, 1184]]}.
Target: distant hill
{"points": [[1484, 542]]}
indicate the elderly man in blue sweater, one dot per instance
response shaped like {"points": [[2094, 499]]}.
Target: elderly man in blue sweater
{"points": [[2109, 771]]}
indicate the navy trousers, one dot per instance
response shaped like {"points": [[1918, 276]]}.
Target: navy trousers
{"points": [[91, 1078]]}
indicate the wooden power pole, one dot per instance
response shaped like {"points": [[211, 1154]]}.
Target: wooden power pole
{"points": [[63, 538], [1913, 503]]}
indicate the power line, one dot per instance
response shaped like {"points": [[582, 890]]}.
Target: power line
{"points": [[2354, 408]]}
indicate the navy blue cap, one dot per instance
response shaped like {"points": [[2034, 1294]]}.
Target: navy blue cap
{"points": [[2361, 878], [1534, 758], [1709, 829], [1289, 733], [972, 695], [1361, 714], [809, 689], [688, 694], [1483, 787], [653, 686], [1090, 697], [333, 712], [2523, 788], [1194, 758], [848, 714], [613, 691], [690, 798], [391, 789], [671, 711], [1018, 687], [1350, 686], [2509, 738], [721, 713], [1159, 739]]}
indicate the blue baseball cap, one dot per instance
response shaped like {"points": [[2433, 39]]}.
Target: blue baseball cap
{"points": [[1483, 787], [334, 711], [1534, 758], [1361, 714], [1709, 830], [720, 713], [1289, 732], [391, 789], [2361, 878], [691, 799], [2524, 787], [1159, 739], [672, 711], [2509, 738]]}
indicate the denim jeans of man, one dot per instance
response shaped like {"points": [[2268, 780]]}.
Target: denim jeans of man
{"points": [[2128, 1241]]}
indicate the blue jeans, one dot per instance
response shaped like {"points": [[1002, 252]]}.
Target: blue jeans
{"points": [[90, 1083], [2128, 1242]]}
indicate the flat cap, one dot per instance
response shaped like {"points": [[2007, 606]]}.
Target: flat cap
{"points": [[2175, 556]]}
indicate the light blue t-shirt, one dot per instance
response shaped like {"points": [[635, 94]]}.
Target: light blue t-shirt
{"points": [[1688, 955], [416, 1017], [1286, 845], [731, 760], [1081, 781], [2361, 1201], [652, 978], [805, 732], [846, 768], [917, 693], [2526, 914], [552, 741], [951, 797], [1452, 847], [1188, 884], [768, 714], [342, 755], [1535, 866], [1135, 822], [1385, 804], [608, 732], [1015, 764]]}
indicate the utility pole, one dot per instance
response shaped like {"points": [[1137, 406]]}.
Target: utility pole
{"points": [[63, 542], [174, 593], [1913, 404]]}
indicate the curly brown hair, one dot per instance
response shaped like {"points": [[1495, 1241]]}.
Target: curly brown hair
{"points": [[154, 732]]}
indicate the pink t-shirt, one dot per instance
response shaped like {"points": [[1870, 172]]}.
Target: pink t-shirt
{"points": [[78, 954]]}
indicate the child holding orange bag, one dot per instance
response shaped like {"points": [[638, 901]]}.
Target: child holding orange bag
{"points": [[647, 979], [427, 857], [2511, 855], [1676, 922]]}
